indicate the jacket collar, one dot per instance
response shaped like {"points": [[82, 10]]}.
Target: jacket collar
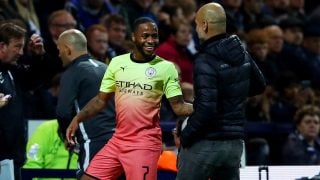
{"points": [[213, 39], [81, 58]]}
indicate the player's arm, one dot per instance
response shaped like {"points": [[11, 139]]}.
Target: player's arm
{"points": [[93, 107], [180, 107]]}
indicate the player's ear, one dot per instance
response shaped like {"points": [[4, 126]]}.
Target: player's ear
{"points": [[132, 37]]}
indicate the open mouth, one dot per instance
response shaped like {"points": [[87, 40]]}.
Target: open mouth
{"points": [[148, 48]]}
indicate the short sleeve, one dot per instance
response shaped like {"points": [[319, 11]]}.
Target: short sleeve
{"points": [[108, 81], [172, 85]]}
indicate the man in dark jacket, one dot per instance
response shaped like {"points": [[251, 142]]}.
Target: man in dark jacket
{"points": [[79, 83], [13, 82], [224, 76]]}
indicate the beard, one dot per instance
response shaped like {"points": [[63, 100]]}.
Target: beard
{"points": [[145, 54]]}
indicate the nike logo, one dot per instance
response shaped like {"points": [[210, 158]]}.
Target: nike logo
{"points": [[122, 67]]}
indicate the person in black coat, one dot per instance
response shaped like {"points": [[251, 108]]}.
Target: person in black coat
{"points": [[15, 80], [224, 76]]}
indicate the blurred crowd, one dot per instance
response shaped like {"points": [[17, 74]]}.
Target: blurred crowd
{"points": [[282, 36]]}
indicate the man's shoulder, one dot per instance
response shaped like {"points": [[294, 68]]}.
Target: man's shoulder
{"points": [[89, 63], [164, 62], [120, 60], [121, 57]]}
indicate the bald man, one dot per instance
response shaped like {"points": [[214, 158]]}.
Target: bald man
{"points": [[224, 76], [79, 83]]}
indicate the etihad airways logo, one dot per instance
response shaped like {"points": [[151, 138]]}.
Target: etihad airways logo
{"points": [[133, 85]]}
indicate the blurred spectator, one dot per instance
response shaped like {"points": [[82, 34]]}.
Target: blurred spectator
{"points": [[303, 145], [87, 12], [251, 10], [235, 24], [133, 9], [58, 22], [258, 107], [13, 78], [8, 13], [98, 42], [27, 11], [48, 98], [297, 10], [175, 49], [113, 5], [46, 149], [277, 64], [288, 100], [275, 38], [257, 45], [293, 37], [168, 15], [292, 30], [44, 9], [116, 28], [311, 51], [276, 9], [310, 6], [189, 8]]}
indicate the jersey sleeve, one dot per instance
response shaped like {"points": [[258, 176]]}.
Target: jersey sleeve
{"points": [[108, 80], [172, 85]]}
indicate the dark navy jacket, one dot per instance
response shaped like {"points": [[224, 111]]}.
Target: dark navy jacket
{"points": [[13, 136], [79, 84], [224, 76]]}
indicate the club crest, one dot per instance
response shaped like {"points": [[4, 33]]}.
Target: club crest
{"points": [[150, 72]]}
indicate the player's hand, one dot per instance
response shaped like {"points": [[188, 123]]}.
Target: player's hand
{"points": [[73, 126], [4, 99], [36, 45]]}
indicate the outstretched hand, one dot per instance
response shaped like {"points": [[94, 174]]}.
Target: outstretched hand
{"points": [[72, 128]]}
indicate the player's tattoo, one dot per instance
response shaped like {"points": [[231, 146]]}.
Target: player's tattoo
{"points": [[180, 107], [94, 106]]}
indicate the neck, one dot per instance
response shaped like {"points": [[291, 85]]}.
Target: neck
{"points": [[135, 57]]}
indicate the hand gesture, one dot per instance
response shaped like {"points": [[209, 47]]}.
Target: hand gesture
{"points": [[72, 128], [4, 99], [36, 45]]}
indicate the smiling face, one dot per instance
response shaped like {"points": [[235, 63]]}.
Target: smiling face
{"points": [[146, 39]]}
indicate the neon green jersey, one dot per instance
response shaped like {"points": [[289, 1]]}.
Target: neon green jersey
{"points": [[45, 149], [138, 91]]}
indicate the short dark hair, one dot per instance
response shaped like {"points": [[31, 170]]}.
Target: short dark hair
{"points": [[9, 30], [114, 18], [141, 20]]}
